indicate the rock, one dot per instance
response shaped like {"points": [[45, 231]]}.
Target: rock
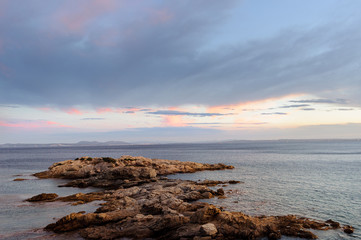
{"points": [[234, 182], [140, 203], [79, 220], [207, 195], [205, 214], [348, 229], [220, 192], [202, 238], [19, 179], [107, 170], [274, 236], [333, 224], [83, 198], [43, 197], [208, 229]]}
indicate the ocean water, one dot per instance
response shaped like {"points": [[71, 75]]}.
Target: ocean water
{"points": [[315, 179]]}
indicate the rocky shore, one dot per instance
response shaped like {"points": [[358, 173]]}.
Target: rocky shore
{"points": [[139, 202]]}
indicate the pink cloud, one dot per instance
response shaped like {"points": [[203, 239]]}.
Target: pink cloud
{"points": [[174, 121], [76, 16], [104, 110], [46, 109], [33, 124], [74, 111]]}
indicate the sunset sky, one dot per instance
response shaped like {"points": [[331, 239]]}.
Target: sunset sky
{"points": [[179, 71]]}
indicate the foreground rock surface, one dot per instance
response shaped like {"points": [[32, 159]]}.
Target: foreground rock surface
{"points": [[140, 203]]}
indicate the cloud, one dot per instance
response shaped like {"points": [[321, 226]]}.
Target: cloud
{"points": [[93, 119], [74, 111], [161, 54], [222, 123], [38, 124], [346, 109], [274, 113], [295, 106], [77, 16], [330, 101], [9, 106], [180, 113], [308, 109]]}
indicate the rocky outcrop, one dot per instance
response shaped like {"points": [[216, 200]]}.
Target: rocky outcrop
{"points": [[19, 179], [139, 204], [126, 171], [43, 197]]}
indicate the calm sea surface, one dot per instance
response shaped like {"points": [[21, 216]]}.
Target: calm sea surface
{"points": [[316, 179]]}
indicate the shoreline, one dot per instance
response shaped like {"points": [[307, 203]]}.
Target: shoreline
{"points": [[141, 203]]}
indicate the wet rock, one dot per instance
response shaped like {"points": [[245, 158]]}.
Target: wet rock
{"points": [[43, 197], [234, 182], [212, 183], [333, 224], [220, 192], [348, 229], [19, 179], [83, 198]]}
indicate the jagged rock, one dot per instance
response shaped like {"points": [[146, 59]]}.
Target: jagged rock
{"points": [[43, 197]]}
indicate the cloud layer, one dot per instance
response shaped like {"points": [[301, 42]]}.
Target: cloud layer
{"points": [[128, 53]]}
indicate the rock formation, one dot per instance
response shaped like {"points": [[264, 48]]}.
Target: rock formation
{"points": [[141, 203]]}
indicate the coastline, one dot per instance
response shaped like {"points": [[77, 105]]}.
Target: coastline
{"points": [[141, 203]]}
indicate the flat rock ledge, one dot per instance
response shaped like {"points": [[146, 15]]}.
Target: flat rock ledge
{"points": [[141, 203]]}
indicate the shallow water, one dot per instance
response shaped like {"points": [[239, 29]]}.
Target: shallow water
{"points": [[316, 179]]}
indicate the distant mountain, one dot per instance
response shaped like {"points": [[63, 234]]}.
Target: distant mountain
{"points": [[95, 143], [81, 143]]}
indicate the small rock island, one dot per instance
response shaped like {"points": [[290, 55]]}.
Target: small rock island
{"points": [[141, 203]]}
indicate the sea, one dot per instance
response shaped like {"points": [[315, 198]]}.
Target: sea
{"points": [[318, 179]]}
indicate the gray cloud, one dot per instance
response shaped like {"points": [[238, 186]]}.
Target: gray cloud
{"points": [[165, 63], [345, 109], [308, 109], [9, 106], [93, 119], [337, 101], [180, 113], [295, 106]]}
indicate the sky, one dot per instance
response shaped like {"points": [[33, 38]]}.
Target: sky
{"points": [[151, 71]]}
